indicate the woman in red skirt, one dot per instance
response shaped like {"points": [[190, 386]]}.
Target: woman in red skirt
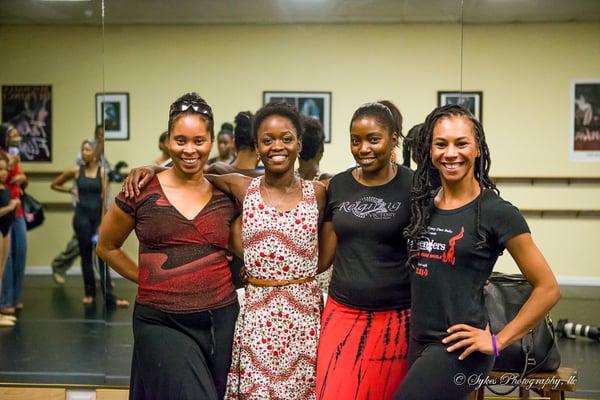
{"points": [[364, 328]]}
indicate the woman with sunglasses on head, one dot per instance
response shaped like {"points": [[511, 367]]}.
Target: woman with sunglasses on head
{"points": [[364, 327], [274, 352], [186, 304], [458, 229]]}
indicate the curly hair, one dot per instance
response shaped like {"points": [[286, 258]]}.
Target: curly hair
{"points": [[281, 109], [426, 180]]}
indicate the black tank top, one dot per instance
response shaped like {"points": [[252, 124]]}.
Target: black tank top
{"points": [[89, 191]]}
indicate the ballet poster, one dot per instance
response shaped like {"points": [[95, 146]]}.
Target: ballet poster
{"points": [[29, 109], [585, 121]]}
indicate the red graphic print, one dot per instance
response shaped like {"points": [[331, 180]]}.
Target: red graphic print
{"points": [[448, 255]]}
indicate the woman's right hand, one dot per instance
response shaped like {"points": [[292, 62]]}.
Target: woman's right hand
{"points": [[136, 179]]}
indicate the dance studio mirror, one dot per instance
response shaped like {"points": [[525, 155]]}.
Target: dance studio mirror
{"points": [[51, 71], [143, 55]]}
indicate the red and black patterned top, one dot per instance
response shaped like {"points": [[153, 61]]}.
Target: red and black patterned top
{"points": [[182, 263]]}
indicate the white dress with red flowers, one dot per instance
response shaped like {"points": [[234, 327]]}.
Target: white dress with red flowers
{"points": [[276, 334]]}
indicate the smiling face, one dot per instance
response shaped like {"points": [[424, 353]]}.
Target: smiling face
{"points": [[454, 149], [277, 144], [371, 144], [190, 143]]}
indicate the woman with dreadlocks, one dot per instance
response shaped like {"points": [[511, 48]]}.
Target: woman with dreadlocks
{"points": [[457, 231], [364, 328]]}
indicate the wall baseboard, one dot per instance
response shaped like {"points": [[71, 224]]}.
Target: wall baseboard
{"points": [[75, 270], [563, 280]]}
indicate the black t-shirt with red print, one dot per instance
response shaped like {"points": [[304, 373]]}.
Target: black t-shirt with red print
{"points": [[182, 263], [448, 278], [369, 269]]}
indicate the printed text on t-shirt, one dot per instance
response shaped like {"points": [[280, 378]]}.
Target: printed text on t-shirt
{"points": [[372, 207]]}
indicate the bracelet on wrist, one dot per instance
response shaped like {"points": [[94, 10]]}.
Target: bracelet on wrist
{"points": [[495, 346]]}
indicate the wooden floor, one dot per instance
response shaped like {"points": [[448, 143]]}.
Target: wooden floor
{"points": [[59, 341]]}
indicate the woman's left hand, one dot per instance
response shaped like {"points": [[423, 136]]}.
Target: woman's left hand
{"points": [[474, 339]]}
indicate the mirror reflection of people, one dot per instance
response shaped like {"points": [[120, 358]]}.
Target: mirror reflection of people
{"points": [[90, 180], [246, 161], [470, 225], [186, 304], [8, 206], [313, 147], [14, 273], [225, 145], [66, 258], [163, 146]]}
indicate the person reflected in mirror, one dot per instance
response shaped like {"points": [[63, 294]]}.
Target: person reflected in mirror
{"points": [[274, 352], [313, 146], [364, 329], [163, 146], [66, 258], [458, 229], [246, 159], [225, 145], [186, 304], [8, 206], [14, 273], [89, 182], [409, 149]]}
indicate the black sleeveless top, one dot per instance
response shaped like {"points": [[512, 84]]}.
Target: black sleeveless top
{"points": [[89, 191]]}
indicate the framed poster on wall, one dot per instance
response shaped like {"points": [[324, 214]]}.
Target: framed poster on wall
{"points": [[584, 137], [472, 101], [29, 109], [112, 111], [311, 104]]}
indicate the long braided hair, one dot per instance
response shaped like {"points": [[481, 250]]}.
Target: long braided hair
{"points": [[426, 180]]}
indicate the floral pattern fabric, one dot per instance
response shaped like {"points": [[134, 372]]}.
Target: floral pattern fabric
{"points": [[276, 335]]}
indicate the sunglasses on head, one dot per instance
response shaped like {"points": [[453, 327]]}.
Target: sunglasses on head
{"points": [[201, 108]]}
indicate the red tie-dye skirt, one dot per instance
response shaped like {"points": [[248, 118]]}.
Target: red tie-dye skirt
{"points": [[361, 354]]}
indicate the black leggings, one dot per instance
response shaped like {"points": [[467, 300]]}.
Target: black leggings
{"points": [[181, 356], [85, 224], [436, 374]]}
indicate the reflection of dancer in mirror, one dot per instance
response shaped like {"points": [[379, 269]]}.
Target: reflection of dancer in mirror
{"points": [[225, 145], [246, 159], [7, 217], [163, 146], [65, 259], [186, 304], [456, 234], [313, 147], [364, 334], [274, 353], [12, 283], [90, 180]]}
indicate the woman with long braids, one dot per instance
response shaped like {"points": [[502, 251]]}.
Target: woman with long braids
{"points": [[457, 231], [364, 328]]}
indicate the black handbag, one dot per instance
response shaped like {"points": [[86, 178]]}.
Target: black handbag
{"points": [[537, 350], [33, 210]]}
